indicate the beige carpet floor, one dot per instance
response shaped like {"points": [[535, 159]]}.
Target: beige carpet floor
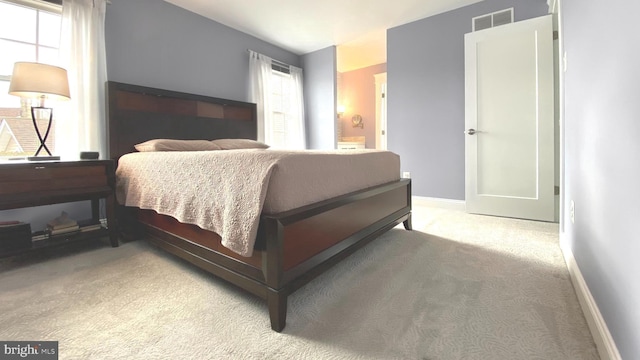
{"points": [[460, 286]]}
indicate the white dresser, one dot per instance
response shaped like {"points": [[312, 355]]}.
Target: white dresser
{"points": [[351, 143]]}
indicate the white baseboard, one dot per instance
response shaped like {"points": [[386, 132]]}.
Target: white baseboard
{"points": [[607, 348], [448, 204]]}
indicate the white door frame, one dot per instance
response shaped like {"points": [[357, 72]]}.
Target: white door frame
{"points": [[381, 111]]}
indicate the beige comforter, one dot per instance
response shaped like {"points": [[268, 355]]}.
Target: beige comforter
{"points": [[226, 191]]}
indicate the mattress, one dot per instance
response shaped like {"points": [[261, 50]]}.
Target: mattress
{"points": [[227, 191]]}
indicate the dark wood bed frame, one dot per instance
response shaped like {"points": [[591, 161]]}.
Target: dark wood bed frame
{"points": [[292, 247]]}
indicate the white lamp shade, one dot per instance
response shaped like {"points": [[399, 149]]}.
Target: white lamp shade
{"points": [[37, 80]]}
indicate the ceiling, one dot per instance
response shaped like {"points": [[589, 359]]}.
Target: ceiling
{"points": [[356, 27]]}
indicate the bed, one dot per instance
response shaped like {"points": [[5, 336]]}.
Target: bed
{"points": [[292, 244]]}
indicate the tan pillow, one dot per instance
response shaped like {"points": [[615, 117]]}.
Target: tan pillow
{"points": [[176, 145], [231, 144]]}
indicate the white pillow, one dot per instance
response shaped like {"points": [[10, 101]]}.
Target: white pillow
{"points": [[176, 145], [232, 144]]}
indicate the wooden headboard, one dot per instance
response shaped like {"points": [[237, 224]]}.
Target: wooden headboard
{"points": [[136, 114]]}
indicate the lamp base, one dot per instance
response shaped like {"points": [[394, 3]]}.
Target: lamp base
{"points": [[43, 158]]}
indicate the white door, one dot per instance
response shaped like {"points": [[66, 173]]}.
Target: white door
{"points": [[509, 138]]}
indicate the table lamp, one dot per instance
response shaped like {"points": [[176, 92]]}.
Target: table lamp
{"points": [[42, 81]]}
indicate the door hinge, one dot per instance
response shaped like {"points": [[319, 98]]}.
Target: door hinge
{"points": [[556, 190], [555, 35]]}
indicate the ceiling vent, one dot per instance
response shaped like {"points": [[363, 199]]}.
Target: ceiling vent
{"points": [[497, 18]]}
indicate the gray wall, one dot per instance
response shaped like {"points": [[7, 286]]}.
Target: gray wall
{"points": [[602, 157], [157, 44], [320, 98], [425, 82]]}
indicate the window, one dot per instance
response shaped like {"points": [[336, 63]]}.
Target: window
{"points": [[286, 121], [29, 31], [280, 98], [276, 88]]}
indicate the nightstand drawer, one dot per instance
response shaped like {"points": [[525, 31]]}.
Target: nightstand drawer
{"points": [[37, 178]]}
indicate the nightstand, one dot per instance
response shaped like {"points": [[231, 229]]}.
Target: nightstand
{"points": [[27, 184]]}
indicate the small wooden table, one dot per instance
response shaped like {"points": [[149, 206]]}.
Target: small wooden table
{"points": [[33, 183]]}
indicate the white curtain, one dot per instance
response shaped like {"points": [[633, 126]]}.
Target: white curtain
{"points": [[280, 123], [297, 140], [82, 124], [260, 79]]}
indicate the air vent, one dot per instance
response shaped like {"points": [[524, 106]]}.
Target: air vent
{"points": [[492, 20], [483, 22], [281, 67]]}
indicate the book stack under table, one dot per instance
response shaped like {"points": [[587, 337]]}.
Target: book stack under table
{"points": [[66, 225], [62, 232], [63, 224], [16, 236], [59, 234]]}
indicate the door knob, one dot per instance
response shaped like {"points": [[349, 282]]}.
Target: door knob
{"points": [[471, 131]]}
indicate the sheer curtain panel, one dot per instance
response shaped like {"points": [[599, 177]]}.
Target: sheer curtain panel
{"points": [[297, 134], [83, 54], [260, 79]]}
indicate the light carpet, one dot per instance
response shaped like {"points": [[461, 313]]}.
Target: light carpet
{"points": [[459, 286]]}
